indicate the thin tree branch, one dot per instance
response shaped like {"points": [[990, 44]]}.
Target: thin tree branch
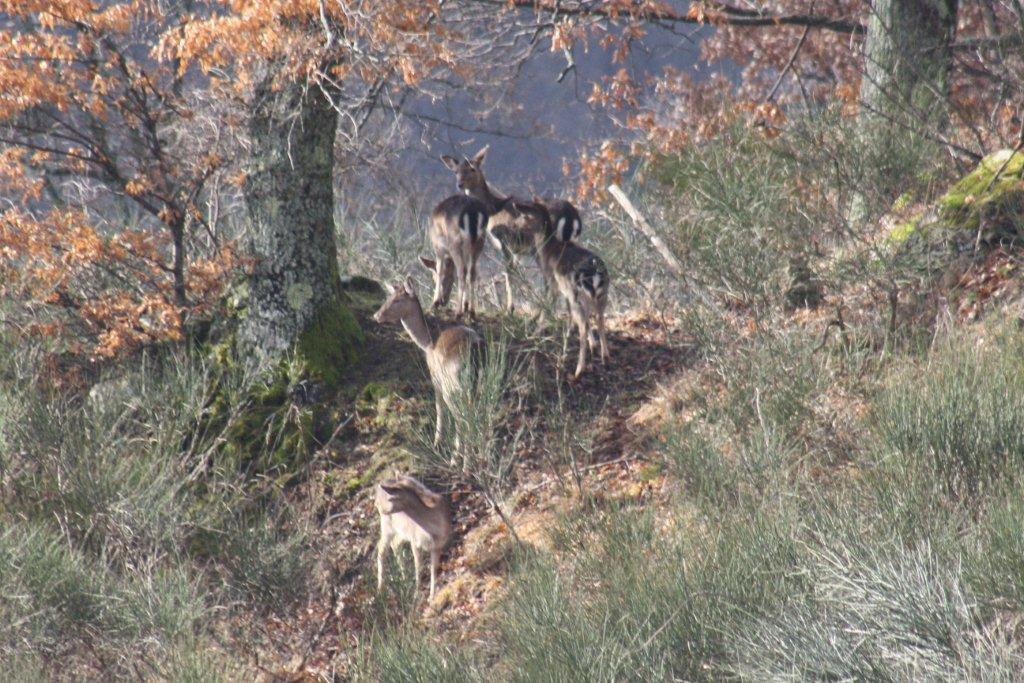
{"points": [[719, 13]]}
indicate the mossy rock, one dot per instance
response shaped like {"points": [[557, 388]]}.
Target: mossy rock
{"points": [[986, 204]]}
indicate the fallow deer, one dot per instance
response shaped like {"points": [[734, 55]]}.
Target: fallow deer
{"points": [[411, 513], [581, 277], [513, 225], [565, 218], [457, 228], [450, 356]]}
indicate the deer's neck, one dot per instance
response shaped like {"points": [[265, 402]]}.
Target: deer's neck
{"points": [[416, 325], [493, 201]]}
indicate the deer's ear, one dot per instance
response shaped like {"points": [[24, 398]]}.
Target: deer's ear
{"points": [[478, 158], [451, 162], [428, 263], [410, 286], [430, 499]]}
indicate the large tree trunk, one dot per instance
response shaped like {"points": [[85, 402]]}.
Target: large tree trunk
{"points": [[907, 58], [903, 95], [294, 295]]}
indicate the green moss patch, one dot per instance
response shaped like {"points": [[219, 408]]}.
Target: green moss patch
{"points": [[982, 197], [330, 344], [987, 203]]}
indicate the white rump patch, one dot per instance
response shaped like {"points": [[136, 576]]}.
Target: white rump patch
{"points": [[464, 222], [577, 227], [559, 226]]}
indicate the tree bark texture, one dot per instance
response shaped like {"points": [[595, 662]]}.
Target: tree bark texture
{"points": [[290, 201], [907, 55]]}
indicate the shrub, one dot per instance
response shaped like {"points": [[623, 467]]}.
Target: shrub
{"points": [[877, 612], [119, 526], [643, 598], [959, 421], [408, 655]]}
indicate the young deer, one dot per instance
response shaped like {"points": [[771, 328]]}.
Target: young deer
{"points": [[413, 514], [513, 225], [449, 357], [457, 228], [582, 279]]}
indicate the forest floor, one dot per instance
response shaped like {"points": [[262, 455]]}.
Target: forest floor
{"points": [[389, 396]]}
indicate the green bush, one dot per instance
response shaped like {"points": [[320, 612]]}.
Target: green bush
{"points": [[121, 533]]}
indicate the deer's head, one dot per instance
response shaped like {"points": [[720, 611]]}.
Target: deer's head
{"points": [[401, 302], [405, 494], [469, 174]]}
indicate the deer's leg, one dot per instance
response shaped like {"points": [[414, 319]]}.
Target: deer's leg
{"points": [[591, 332], [601, 335], [460, 275], [581, 325], [439, 258], [509, 265], [416, 561], [472, 286], [382, 548], [435, 560]]}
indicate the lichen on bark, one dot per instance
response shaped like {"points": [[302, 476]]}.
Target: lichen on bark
{"points": [[295, 301]]}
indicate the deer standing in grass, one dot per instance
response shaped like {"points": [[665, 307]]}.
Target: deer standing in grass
{"points": [[457, 228], [581, 277], [413, 514], [450, 356], [513, 223]]}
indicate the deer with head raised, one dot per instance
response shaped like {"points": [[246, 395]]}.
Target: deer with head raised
{"points": [[411, 513], [457, 228], [513, 223], [581, 277], [450, 356]]}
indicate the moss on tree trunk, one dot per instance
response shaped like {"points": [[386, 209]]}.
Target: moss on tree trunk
{"points": [[295, 320]]}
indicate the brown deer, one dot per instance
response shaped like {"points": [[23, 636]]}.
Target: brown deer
{"points": [[411, 513], [565, 218], [514, 223], [457, 228], [450, 356], [581, 277]]}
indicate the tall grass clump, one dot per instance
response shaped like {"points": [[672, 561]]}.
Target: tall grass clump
{"points": [[995, 559], [644, 597], [878, 611], [406, 654], [958, 420], [121, 533], [482, 448]]}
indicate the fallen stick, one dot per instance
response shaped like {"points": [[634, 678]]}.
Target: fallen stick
{"points": [[647, 229]]}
